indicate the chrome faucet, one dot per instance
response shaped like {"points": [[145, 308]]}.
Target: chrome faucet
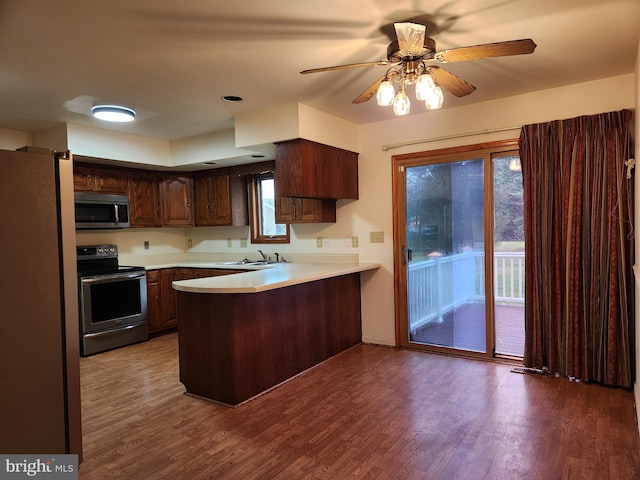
{"points": [[264, 257]]}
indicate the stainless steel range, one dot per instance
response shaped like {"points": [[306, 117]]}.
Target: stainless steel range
{"points": [[112, 300]]}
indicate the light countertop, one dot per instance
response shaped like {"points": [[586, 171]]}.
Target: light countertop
{"points": [[267, 277]]}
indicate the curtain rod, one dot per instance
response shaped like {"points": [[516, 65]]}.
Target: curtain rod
{"points": [[447, 137]]}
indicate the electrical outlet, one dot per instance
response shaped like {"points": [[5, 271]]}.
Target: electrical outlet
{"points": [[354, 242], [319, 242], [228, 242], [243, 243], [189, 243], [376, 237], [146, 245], [325, 242], [347, 242]]}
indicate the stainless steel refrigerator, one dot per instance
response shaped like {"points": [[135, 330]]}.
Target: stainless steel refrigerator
{"points": [[39, 347]]}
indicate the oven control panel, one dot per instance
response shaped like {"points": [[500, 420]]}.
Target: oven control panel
{"points": [[96, 251]]}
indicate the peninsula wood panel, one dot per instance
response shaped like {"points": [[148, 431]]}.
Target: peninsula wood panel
{"points": [[235, 346]]}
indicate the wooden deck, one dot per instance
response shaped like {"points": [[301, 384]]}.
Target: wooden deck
{"points": [[369, 413], [464, 328]]}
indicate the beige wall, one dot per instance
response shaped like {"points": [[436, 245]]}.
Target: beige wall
{"points": [[14, 139]]}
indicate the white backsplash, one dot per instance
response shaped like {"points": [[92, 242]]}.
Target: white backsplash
{"points": [[170, 245]]}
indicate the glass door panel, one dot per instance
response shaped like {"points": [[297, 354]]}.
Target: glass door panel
{"points": [[508, 256], [445, 248]]}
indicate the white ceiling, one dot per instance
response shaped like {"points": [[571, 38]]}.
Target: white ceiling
{"points": [[172, 61]]}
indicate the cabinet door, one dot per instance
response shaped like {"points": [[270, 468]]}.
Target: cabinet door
{"points": [[215, 200], [168, 297], [177, 196], [285, 210], [144, 199], [110, 180], [154, 306], [90, 178], [82, 178], [202, 201], [239, 196], [221, 211]]}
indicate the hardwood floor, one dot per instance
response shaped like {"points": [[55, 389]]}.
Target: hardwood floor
{"points": [[371, 412]]}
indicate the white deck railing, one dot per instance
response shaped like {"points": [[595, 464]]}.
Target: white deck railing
{"points": [[441, 283]]}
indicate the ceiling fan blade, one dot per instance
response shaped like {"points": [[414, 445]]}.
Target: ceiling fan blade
{"points": [[369, 92], [488, 50], [450, 82], [379, 63]]}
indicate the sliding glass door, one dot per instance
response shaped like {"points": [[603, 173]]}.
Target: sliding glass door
{"points": [[459, 251], [445, 242], [508, 254]]}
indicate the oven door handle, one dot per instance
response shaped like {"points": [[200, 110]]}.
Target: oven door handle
{"points": [[114, 277], [111, 331]]}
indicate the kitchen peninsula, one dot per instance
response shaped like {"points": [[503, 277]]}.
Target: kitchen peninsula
{"points": [[242, 334]]}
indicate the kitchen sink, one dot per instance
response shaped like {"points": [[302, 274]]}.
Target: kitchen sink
{"points": [[249, 263]]}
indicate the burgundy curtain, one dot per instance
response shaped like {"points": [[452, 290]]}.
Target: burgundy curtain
{"points": [[579, 309]]}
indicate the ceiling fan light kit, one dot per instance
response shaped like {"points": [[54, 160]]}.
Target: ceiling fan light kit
{"points": [[401, 103], [408, 57], [386, 93], [426, 89]]}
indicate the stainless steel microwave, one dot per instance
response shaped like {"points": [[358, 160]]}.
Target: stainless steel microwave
{"points": [[101, 211]]}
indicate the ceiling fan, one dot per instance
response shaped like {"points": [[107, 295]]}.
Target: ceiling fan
{"points": [[410, 57]]}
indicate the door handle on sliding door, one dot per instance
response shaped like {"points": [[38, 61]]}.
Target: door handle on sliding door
{"points": [[407, 255]]}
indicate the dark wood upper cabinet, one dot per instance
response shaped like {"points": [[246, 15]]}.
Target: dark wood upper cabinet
{"points": [[220, 199], [98, 178], [176, 195], [144, 198], [313, 170]]}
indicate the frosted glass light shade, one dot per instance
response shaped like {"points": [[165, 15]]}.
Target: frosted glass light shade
{"points": [[385, 94], [424, 86], [113, 113], [435, 100], [410, 36], [401, 104]]}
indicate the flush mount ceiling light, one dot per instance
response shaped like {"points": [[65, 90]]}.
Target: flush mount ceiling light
{"points": [[232, 98], [113, 113]]}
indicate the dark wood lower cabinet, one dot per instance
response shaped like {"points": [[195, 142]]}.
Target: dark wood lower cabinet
{"points": [[161, 297], [235, 346]]}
